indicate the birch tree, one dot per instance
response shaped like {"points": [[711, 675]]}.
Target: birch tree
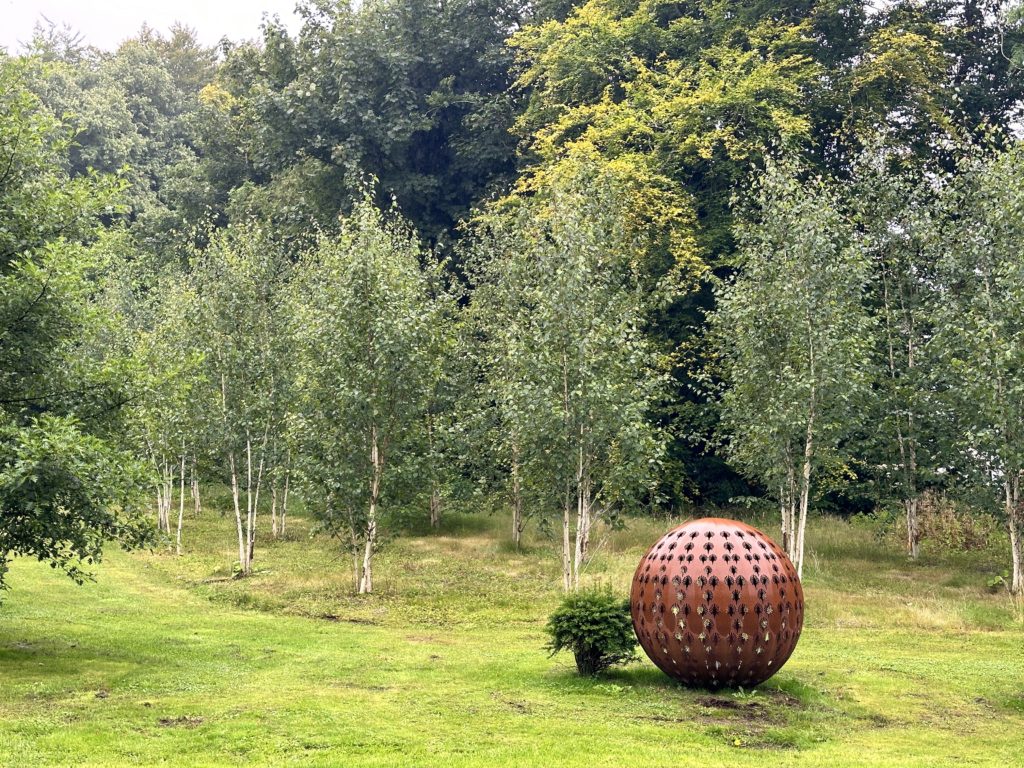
{"points": [[563, 314], [980, 330], [242, 280], [367, 331], [164, 417], [791, 337], [895, 215], [152, 311]]}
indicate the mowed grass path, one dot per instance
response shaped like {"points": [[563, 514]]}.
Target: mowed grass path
{"points": [[167, 660]]}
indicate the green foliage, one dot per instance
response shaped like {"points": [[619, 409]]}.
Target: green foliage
{"points": [[370, 333], [981, 315], [136, 111], [241, 285], [66, 485], [791, 334], [980, 326], [595, 625], [867, 335], [560, 312], [413, 93], [65, 493], [690, 97], [906, 436]]}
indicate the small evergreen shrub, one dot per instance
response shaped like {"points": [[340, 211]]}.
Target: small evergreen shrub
{"points": [[596, 626]]}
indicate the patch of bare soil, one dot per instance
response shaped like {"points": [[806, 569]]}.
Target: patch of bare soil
{"points": [[184, 721]]}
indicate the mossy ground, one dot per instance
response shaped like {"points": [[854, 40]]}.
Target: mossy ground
{"points": [[169, 660]]}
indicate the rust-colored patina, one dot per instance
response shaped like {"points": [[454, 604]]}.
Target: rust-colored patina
{"points": [[717, 603]]}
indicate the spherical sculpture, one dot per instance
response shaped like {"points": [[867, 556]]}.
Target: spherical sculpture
{"points": [[717, 603]]}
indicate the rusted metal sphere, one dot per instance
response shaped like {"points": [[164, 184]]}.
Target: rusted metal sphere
{"points": [[717, 603]]}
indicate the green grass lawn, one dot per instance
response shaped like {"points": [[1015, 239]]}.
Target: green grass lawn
{"points": [[167, 660]]}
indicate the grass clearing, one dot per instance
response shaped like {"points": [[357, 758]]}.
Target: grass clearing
{"points": [[169, 660]]}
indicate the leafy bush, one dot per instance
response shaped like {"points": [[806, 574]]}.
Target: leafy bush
{"points": [[595, 625], [955, 527], [946, 525]]}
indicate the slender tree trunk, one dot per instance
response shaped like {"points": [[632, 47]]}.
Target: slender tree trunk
{"points": [[165, 497], [356, 561], [910, 481], [169, 497], [160, 507], [566, 547], [435, 492], [583, 508], [913, 529], [273, 510], [256, 496], [577, 555], [805, 494], [197, 505], [247, 564], [567, 575], [157, 487], [181, 501], [1015, 519], [366, 583], [578, 551], [789, 504], [782, 517], [284, 497], [904, 442], [435, 507], [517, 499], [805, 481], [583, 532], [235, 496]]}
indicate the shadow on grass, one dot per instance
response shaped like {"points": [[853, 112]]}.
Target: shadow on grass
{"points": [[786, 691], [29, 661]]}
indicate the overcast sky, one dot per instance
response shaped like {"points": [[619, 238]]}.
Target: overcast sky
{"points": [[105, 23]]}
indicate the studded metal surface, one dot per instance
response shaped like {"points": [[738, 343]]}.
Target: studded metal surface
{"points": [[716, 603]]}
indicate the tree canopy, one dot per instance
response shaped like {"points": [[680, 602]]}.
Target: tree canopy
{"points": [[616, 255]]}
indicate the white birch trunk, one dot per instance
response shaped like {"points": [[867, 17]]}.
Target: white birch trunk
{"points": [[255, 493], [247, 566], [566, 548], [356, 563], [805, 494], [783, 517], [583, 510], [584, 524], [789, 505], [366, 582], [435, 493], [197, 504], [517, 500], [181, 503], [284, 501], [1015, 520], [235, 496]]}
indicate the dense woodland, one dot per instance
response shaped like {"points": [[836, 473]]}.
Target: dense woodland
{"points": [[565, 261]]}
